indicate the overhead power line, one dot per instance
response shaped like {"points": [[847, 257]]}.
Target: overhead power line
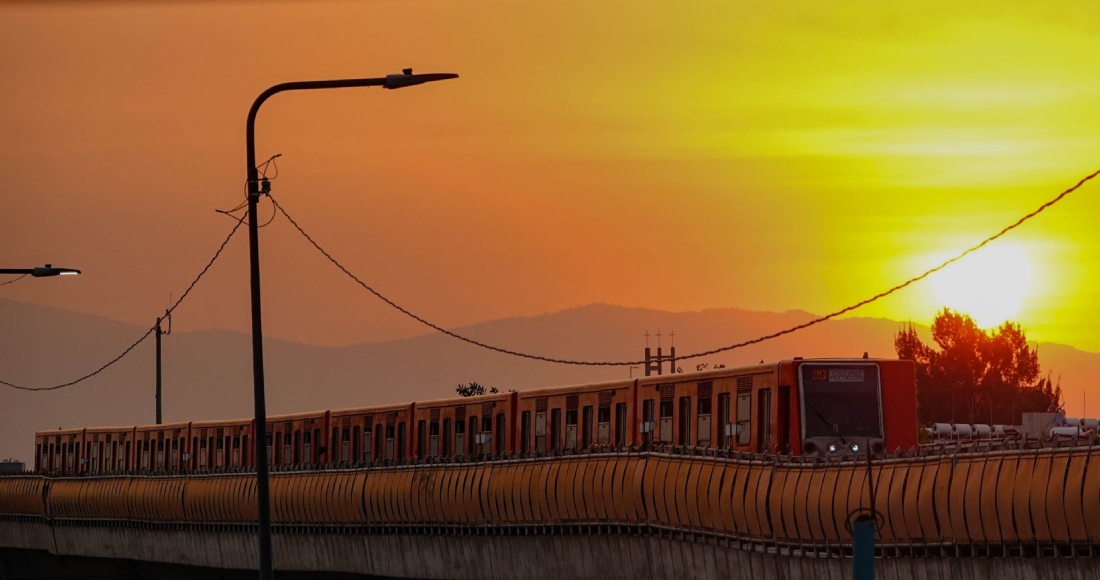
{"points": [[742, 344], [13, 280], [147, 332]]}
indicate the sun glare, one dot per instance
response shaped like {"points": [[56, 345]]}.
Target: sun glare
{"points": [[990, 285]]}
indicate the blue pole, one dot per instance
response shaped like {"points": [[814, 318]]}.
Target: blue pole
{"points": [[863, 548]]}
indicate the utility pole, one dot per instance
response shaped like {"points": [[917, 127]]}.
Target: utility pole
{"points": [[159, 332]]}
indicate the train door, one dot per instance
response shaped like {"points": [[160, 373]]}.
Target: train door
{"points": [[237, 451], [764, 420], [144, 464], [649, 420], [70, 459], [472, 439], [666, 419], [744, 418], [379, 442], [524, 431], [402, 450], [95, 451], [110, 450], [586, 427], [421, 438], [160, 453], [356, 451], [620, 424], [603, 425], [219, 451], [389, 441], [783, 420], [571, 422], [704, 430], [684, 434], [555, 428], [725, 428], [540, 431], [460, 435], [345, 444], [126, 460], [307, 446], [433, 437], [204, 454], [485, 438], [447, 438], [501, 430]]}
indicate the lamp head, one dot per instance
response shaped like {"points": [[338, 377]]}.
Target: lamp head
{"points": [[49, 270], [406, 78]]}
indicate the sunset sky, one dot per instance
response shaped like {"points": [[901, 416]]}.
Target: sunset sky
{"points": [[673, 155]]}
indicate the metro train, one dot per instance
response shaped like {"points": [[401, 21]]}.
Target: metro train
{"points": [[819, 407]]}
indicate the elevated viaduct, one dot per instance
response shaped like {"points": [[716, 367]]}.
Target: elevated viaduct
{"points": [[1009, 513]]}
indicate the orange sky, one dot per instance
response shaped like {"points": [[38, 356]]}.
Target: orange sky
{"points": [[663, 154]]}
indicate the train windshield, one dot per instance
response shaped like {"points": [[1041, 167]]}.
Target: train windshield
{"points": [[841, 400]]}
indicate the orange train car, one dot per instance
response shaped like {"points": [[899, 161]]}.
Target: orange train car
{"points": [[379, 433], [161, 447], [480, 426], [108, 449], [799, 407], [220, 445], [59, 451], [296, 439], [579, 416]]}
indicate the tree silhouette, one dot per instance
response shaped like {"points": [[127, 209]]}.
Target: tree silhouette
{"points": [[976, 376], [474, 389]]}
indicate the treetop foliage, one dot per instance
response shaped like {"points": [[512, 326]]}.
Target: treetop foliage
{"points": [[976, 376], [474, 389]]}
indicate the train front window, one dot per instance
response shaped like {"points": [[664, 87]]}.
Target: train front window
{"points": [[841, 400]]}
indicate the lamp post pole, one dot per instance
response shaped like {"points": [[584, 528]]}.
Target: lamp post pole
{"points": [[41, 271], [255, 190]]}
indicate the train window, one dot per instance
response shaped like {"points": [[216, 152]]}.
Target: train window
{"points": [[620, 424], [524, 431], [402, 441], [540, 432], [648, 419], [433, 438], [570, 428], [702, 438], [666, 422], [555, 428], [460, 437], [501, 428], [684, 435], [764, 410], [447, 439], [586, 427], [724, 420], [744, 418]]}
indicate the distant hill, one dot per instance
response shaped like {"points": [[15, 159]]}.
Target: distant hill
{"points": [[207, 374]]}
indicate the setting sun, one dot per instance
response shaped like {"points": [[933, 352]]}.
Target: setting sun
{"points": [[990, 285]]}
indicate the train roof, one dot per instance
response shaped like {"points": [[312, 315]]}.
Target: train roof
{"points": [[371, 410], [474, 400], [583, 387]]}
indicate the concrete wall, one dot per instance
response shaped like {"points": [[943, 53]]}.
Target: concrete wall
{"points": [[473, 557]]}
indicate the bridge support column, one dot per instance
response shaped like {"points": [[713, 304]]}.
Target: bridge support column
{"points": [[863, 548]]}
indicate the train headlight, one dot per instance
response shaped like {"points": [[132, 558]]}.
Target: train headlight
{"points": [[855, 447], [832, 448]]}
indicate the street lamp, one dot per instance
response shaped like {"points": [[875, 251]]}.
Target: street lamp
{"points": [[394, 81], [41, 271]]}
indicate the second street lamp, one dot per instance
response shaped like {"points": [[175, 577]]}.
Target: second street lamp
{"points": [[41, 271], [394, 81]]}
